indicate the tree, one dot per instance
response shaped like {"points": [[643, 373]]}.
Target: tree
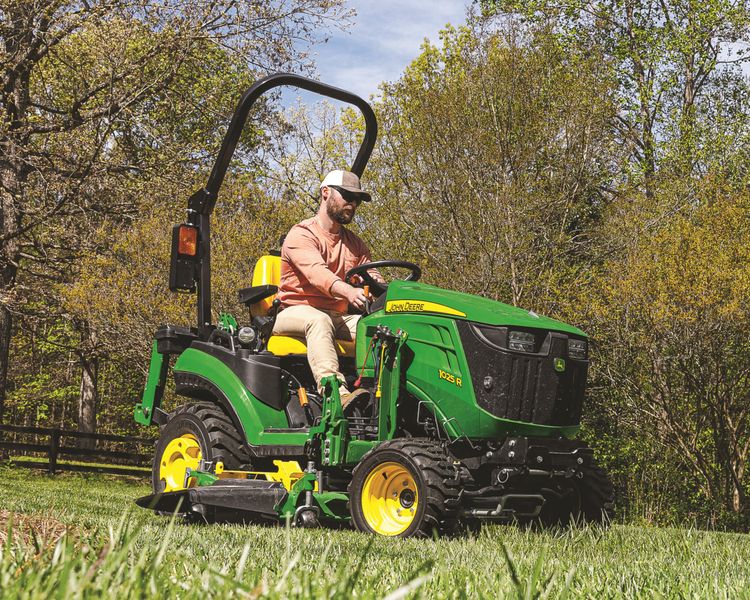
{"points": [[667, 53], [682, 115], [491, 164], [72, 73], [124, 292], [673, 316], [310, 142]]}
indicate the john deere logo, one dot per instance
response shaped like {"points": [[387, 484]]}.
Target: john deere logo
{"points": [[560, 365]]}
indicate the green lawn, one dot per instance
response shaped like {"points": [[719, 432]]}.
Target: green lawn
{"points": [[115, 550]]}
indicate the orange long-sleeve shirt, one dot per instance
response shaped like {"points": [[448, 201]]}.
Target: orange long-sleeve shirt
{"points": [[312, 260]]}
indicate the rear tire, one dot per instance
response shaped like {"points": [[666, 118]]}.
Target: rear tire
{"points": [[195, 433], [404, 488]]}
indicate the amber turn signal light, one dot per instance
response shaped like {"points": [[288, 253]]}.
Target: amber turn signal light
{"points": [[187, 244]]}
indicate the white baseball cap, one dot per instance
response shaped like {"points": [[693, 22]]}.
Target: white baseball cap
{"points": [[346, 181]]}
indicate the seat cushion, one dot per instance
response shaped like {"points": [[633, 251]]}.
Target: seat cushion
{"points": [[283, 345]]}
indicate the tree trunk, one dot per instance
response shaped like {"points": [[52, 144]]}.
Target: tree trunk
{"points": [[88, 399], [9, 250], [6, 323]]}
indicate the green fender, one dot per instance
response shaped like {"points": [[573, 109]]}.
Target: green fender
{"points": [[445, 424], [252, 414]]}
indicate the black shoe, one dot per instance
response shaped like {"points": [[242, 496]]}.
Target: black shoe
{"points": [[349, 400]]}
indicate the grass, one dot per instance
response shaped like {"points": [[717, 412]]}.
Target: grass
{"points": [[73, 535]]}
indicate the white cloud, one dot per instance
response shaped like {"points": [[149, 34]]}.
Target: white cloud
{"points": [[384, 39]]}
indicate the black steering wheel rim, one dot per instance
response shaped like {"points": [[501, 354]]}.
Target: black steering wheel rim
{"points": [[377, 287]]}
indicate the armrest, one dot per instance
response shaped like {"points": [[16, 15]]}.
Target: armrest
{"points": [[251, 295]]}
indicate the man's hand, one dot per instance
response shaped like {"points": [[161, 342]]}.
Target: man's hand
{"points": [[354, 296]]}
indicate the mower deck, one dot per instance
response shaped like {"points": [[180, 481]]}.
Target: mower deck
{"points": [[227, 499]]}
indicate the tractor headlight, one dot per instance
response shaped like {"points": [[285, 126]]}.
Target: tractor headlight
{"points": [[246, 335], [577, 349], [521, 341]]}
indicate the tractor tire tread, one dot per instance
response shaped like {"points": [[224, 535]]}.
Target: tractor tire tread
{"points": [[441, 497], [597, 495], [226, 441]]}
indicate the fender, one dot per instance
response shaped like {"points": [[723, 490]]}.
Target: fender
{"points": [[200, 388], [199, 373], [440, 419]]}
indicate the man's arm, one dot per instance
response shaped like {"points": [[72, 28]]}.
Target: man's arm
{"points": [[353, 295]]}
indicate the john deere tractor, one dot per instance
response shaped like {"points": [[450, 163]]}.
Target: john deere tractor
{"points": [[471, 415]]}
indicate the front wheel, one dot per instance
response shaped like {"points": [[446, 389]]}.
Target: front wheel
{"points": [[404, 488], [588, 499], [597, 496]]}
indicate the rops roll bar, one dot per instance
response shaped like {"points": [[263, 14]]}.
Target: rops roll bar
{"points": [[190, 266]]}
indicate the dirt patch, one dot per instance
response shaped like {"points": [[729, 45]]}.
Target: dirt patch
{"points": [[28, 527]]}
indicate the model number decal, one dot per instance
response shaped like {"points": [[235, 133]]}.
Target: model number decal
{"points": [[450, 378]]}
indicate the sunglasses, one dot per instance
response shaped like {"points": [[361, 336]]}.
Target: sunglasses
{"points": [[348, 196]]}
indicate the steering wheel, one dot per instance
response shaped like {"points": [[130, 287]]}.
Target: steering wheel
{"points": [[376, 287]]}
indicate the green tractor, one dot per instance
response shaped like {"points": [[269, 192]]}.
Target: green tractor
{"points": [[471, 415]]}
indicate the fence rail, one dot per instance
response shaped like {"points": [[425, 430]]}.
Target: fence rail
{"points": [[130, 462]]}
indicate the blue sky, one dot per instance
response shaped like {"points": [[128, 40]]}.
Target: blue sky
{"points": [[384, 39]]}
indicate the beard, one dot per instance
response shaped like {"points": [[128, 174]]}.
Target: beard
{"points": [[341, 215]]}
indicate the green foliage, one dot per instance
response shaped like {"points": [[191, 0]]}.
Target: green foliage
{"points": [[135, 270], [666, 289], [674, 313], [493, 151], [668, 56], [45, 384]]}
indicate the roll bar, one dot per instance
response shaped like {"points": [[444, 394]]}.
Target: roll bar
{"points": [[201, 203]]}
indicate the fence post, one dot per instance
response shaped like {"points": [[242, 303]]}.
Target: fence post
{"points": [[54, 448]]}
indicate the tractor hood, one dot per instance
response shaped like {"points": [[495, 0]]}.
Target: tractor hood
{"points": [[408, 296]]}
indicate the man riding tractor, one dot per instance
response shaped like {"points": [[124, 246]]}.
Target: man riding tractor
{"points": [[314, 297]]}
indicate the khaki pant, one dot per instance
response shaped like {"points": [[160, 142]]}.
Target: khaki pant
{"points": [[319, 328]]}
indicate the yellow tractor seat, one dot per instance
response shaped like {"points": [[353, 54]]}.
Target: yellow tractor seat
{"points": [[284, 345], [267, 272]]}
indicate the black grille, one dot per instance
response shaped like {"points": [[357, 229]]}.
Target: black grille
{"points": [[520, 386]]}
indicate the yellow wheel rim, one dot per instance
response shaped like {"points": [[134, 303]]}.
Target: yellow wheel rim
{"points": [[180, 454], [390, 499]]}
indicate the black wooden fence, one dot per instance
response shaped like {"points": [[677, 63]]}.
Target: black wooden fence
{"points": [[132, 456]]}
